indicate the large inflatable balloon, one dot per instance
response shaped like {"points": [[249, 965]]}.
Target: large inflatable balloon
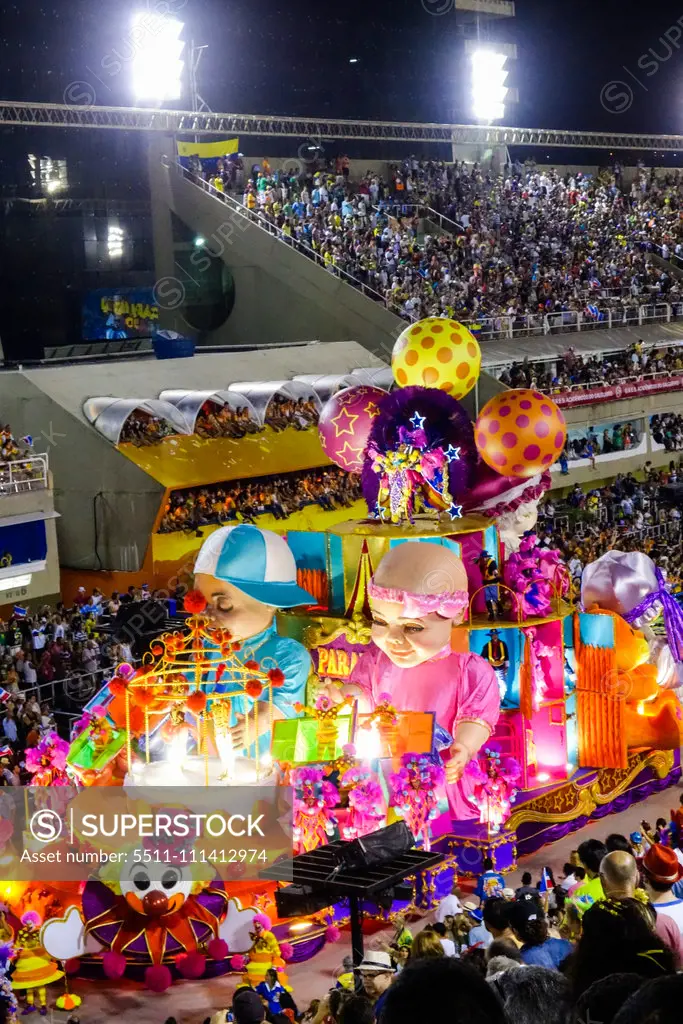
{"points": [[520, 433], [437, 353], [345, 424]]}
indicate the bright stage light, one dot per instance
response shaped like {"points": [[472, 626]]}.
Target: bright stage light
{"points": [[199, 241], [114, 242], [157, 67], [542, 777], [300, 926], [488, 85]]}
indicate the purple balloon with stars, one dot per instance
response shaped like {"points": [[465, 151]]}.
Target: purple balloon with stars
{"points": [[345, 424]]}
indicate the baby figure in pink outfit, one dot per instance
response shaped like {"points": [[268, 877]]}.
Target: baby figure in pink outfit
{"points": [[417, 594]]}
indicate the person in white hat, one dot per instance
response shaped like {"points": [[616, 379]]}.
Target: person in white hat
{"points": [[246, 574], [377, 973]]}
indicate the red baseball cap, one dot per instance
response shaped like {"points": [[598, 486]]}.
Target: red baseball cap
{"points": [[662, 866]]}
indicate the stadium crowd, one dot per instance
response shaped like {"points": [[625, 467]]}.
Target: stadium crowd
{"points": [[627, 514], [572, 370], [214, 420], [245, 501], [143, 429], [529, 241]]}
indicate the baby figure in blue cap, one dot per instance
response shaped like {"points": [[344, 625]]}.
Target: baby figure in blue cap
{"points": [[246, 574]]}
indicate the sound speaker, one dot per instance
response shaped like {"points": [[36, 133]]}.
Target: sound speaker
{"points": [[376, 848], [299, 901]]}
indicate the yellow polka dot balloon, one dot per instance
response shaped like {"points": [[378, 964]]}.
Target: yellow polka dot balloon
{"points": [[437, 353]]}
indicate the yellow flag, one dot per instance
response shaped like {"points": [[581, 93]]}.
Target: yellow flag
{"points": [[209, 149]]}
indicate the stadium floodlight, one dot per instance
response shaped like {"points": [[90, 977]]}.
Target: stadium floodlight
{"points": [[488, 85], [156, 65], [114, 242]]}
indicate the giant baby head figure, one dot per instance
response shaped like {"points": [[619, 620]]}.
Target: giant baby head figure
{"points": [[417, 594], [246, 574]]}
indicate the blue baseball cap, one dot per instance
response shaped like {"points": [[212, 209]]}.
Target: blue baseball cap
{"points": [[257, 562]]}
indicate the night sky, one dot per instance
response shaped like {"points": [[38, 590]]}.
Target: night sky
{"points": [[292, 57]]}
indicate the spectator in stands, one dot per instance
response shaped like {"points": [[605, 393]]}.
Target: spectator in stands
{"points": [[530, 927], [243, 501], [617, 936]]}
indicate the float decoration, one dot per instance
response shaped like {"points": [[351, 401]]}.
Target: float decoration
{"points": [[437, 353], [414, 796], [320, 736], [520, 433], [47, 761], [172, 681], [345, 423], [420, 456], [314, 800], [367, 807], [326, 713], [6, 992], [494, 787]]}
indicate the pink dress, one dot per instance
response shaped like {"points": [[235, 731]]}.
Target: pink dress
{"points": [[456, 687]]}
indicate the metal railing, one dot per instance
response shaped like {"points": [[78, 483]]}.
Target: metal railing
{"points": [[594, 385], [294, 243], [27, 474]]}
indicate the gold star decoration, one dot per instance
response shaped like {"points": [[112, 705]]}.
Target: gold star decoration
{"points": [[372, 409], [343, 422]]}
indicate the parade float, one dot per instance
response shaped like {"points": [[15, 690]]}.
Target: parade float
{"points": [[439, 675]]}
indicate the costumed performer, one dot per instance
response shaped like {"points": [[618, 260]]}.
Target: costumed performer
{"points": [[246, 574], [497, 653], [417, 594]]}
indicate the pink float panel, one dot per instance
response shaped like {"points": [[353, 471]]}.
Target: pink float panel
{"points": [[547, 758]]}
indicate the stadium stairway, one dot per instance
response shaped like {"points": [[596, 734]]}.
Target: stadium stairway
{"points": [[281, 294]]}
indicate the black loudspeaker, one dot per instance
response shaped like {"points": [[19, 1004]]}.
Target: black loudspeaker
{"points": [[299, 901], [376, 848]]}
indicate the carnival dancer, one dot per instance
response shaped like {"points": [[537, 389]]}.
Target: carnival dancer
{"points": [[496, 652], [33, 968], [490, 577], [246, 574], [417, 594]]}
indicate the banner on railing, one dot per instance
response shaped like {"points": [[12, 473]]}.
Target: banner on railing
{"points": [[207, 150], [616, 392]]}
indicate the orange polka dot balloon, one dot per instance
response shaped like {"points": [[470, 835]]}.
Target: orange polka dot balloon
{"points": [[437, 353], [520, 433]]}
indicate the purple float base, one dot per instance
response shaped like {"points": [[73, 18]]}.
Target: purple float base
{"points": [[533, 835], [469, 843]]}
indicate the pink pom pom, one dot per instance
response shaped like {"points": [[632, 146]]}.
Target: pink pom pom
{"points": [[191, 965], [349, 749], [237, 963], [158, 978], [72, 965], [286, 950], [113, 964], [263, 920], [332, 934], [217, 949], [31, 917]]}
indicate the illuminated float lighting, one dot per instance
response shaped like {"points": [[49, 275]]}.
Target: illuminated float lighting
{"points": [[300, 926], [569, 766], [543, 777], [368, 743]]}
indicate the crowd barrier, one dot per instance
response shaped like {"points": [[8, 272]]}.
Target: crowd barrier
{"points": [[21, 475]]}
